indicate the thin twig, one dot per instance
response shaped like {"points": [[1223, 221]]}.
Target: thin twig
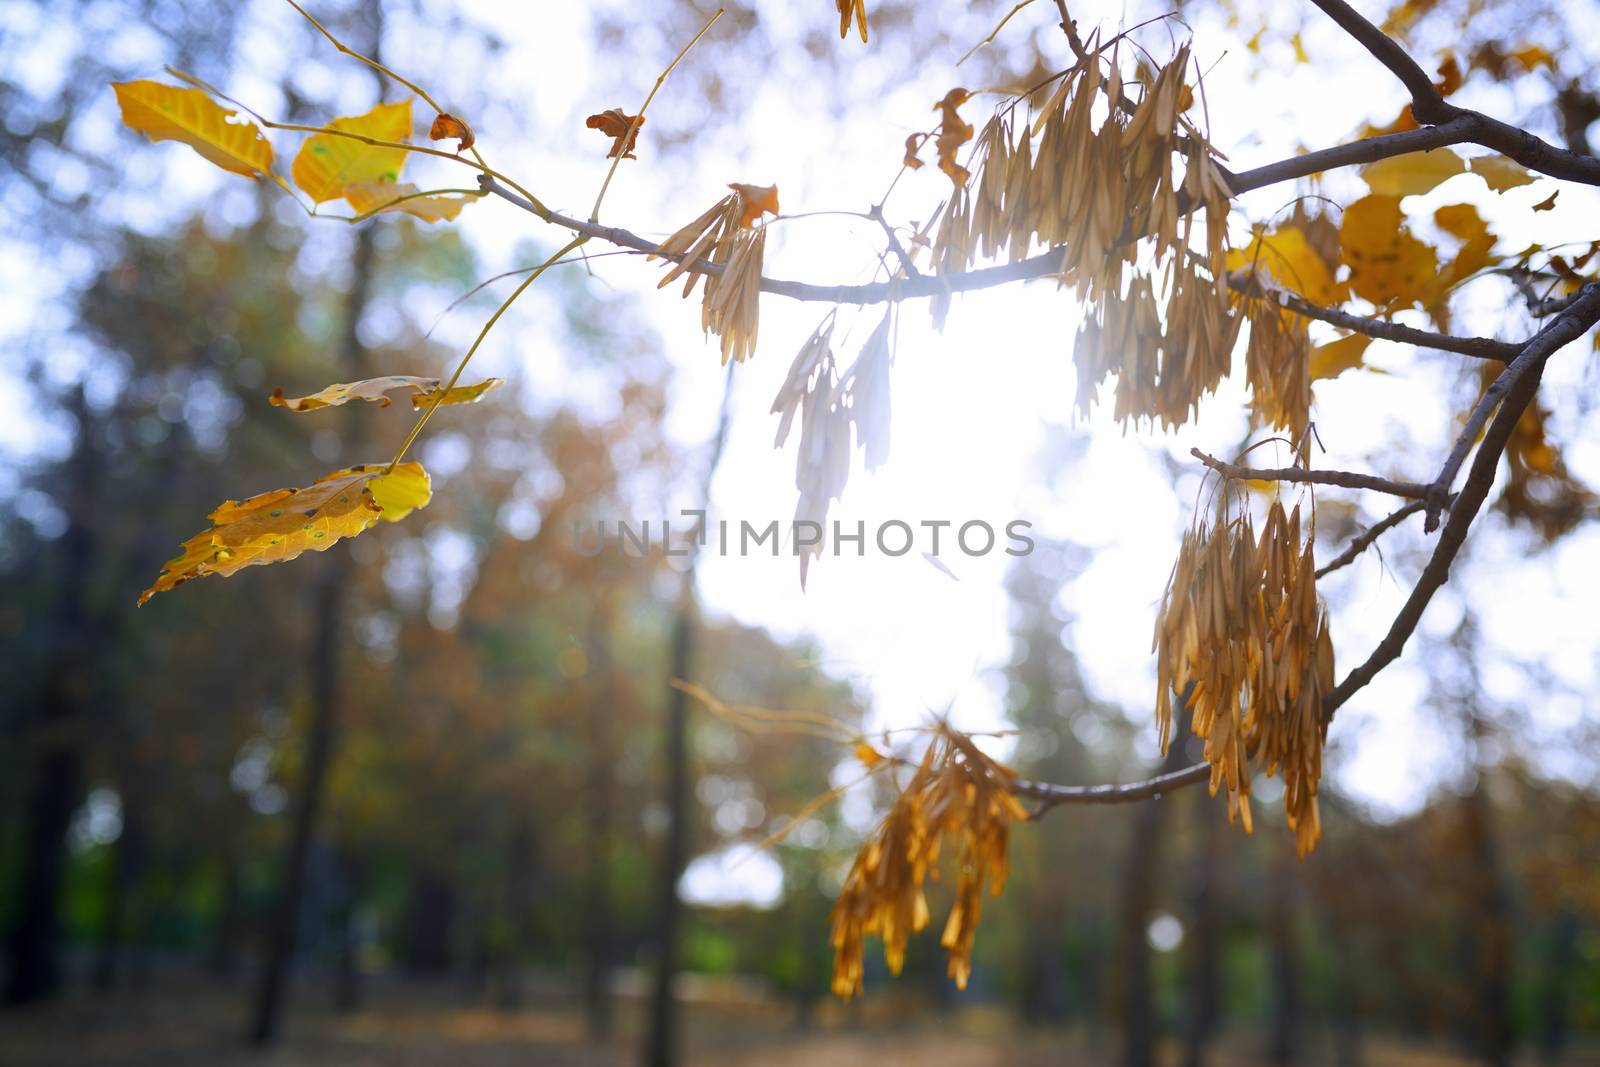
{"points": [[876, 214], [1346, 479], [1050, 795], [638, 120], [1365, 540]]}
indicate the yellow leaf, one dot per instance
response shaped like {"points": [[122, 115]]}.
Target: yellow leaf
{"points": [[1534, 56], [1387, 264], [1289, 257], [1461, 220], [168, 113], [372, 389], [1299, 49], [423, 390], [1412, 174], [280, 525], [461, 394], [1336, 357], [377, 197], [401, 491], [327, 162], [1500, 173]]}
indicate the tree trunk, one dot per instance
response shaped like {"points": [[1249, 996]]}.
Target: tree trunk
{"points": [[1555, 985], [330, 611], [1205, 940], [521, 867], [597, 833], [60, 731], [1283, 1045], [1138, 899], [127, 867], [661, 1035], [1489, 939]]}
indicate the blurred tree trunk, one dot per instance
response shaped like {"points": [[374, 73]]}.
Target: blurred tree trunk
{"points": [[661, 1033], [1555, 985], [59, 732], [521, 871], [1137, 898], [1488, 939], [1283, 1045], [430, 920], [598, 809], [330, 610], [1205, 940], [223, 960], [348, 991], [127, 869]]}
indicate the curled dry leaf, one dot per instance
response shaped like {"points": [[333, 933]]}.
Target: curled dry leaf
{"points": [[446, 126], [622, 127], [169, 113], [379, 197], [328, 163], [953, 133], [913, 146], [376, 390], [280, 525], [755, 200]]}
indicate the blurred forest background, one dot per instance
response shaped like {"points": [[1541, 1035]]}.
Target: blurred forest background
{"points": [[478, 718]]}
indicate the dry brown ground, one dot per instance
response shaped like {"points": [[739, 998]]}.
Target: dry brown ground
{"points": [[187, 1025]]}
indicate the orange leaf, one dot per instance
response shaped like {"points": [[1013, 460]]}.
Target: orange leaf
{"points": [[1548, 203], [446, 126], [619, 125], [756, 200], [379, 197], [953, 133], [1388, 265]]}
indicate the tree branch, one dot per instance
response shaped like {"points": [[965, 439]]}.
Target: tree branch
{"points": [[1477, 347], [1428, 105], [1050, 795], [1571, 324], [1365, 540], [1346, 479]]}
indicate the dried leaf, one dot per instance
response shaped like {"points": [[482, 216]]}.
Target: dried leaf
{"points": [[327, 163], [1548, 203], [953, 133], [756, 200], [446, 126], [1412, 174], [375, 389], [380, 197], [280, 525], [622, 127], [169, 113], [855, 10], [913, 146]]}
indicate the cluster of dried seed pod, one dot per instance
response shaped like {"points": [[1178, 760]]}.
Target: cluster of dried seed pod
{"points": [[1242, 633], [728, 235], [959, 794], [1102, 166]]}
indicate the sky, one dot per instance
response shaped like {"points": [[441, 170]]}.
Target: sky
{"points": [[972, 406]]}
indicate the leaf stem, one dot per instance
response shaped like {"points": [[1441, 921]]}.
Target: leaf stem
{"points": [[638, 120], [461, 366]]}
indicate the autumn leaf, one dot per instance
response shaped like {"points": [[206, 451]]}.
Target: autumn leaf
{"points": [[1336, 357], [914, 145], [1548, 203], [380, 197], [1388, 266], [622, 127], [868, 755], [756, 200], [446, 126], [1500, 173], [1288, 256], [376, 390], [461, 394], [1450, 76], [280, 525], [328, 163], [1462, 221], [169, 113], [1412, 174], [953, 133]]}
